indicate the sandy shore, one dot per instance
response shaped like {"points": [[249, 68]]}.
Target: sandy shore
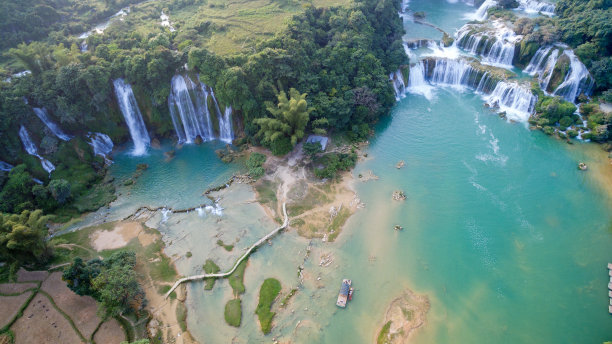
{"points": [[403, 317]]}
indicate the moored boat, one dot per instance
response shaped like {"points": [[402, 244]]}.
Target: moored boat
{"points": [[343, 296]]}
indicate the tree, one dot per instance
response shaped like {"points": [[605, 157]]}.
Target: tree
{"points": [[15, 196], [79, 276], [290, 118], [22, 237], [60, 190]]}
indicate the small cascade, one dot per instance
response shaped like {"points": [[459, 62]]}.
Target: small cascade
{"points": [[542, 65], [535, 6], [458, 73], [481, 12], [577, 81], [5, 166], [189, 102], [55, 129], [133, 117], [516, 101], [397, 80], [495, 46], [101, 144], [225, 126], [417, 82], [31, 148]]}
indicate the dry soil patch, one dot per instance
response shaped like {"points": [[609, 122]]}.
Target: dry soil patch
{"points": [[10, 305], [81, 309], [27, 276], [110, 332], [120, 236], [42, 323], [13, 288]]}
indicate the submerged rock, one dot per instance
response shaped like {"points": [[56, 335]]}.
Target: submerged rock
{"points": [[399, 195], [404, 315]]}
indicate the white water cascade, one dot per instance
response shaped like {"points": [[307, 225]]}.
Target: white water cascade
{"points": [[397, 80], [101, 144], [133, 117], [516, 101], [535, 6], [31, 148], [577, 80], [5, 166], [481, 12], [190, 103], [225, 126], [542, 65], [55, 129], [495, 46]]}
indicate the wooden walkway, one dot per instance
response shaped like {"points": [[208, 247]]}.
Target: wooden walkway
{"points": [[243, 257]]}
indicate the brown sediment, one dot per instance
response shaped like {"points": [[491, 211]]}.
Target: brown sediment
{"points": [[403, 317]]}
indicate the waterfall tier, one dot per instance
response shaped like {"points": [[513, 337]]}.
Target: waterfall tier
{"points": [[188, 104], [481, 12], [5, 166], [494, 45], [577, 80], [397, 80], [226, 133], [55, 129], [133, 117], [101, 144], [31, 149], [534, 6], [515, 100]]}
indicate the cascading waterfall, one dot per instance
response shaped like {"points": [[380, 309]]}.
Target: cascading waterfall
{"points": [[577, 81], [220, 117], [55, 129], [456, 73], [397, 80], [193, 116], [495, 46], [101, 144], [542, 65], [481, 12], [133, 117], [534, 6], [5, 166], [31, 148], [518, 102], [225, 126]]}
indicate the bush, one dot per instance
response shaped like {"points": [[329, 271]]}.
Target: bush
{"points": [[267, 294], [281, 146], [334, 162], [254, 164], [312, 148], [233, 312]]}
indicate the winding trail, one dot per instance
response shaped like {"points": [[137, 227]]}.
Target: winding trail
{"points": [[243, 257]]}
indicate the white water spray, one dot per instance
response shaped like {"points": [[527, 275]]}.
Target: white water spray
{"points": [[55, 129], [31, 148], [133, 117]]}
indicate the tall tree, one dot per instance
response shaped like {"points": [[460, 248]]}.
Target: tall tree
{"points": [[291, 116], [22, 237]]}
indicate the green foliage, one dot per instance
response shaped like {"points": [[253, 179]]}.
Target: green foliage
{"points": [[267, 294], [383, 335], [233, 312], [333, 163], [60, 190], [22, 237], [15, 195], [181, 316], [254, 164], [236, 278], [312, 148], [291, 116], [210, 268], [112, 281], [555, 110]]}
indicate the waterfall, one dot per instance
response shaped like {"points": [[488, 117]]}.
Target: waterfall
{"points": [[494, 46], [535, 6], [481, 12], [101, 144], [397, 80], [577, 81], [55, 129], [30, 147], [225, 126], [5, 166], [133, 117], [417, 83], [190, 102], [518, 102], [456, 73], [542, 64]]}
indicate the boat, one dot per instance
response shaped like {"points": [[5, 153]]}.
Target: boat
{"points": [[351, 294], [343, 295]]}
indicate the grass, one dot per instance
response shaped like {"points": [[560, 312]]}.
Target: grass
{"points": [[336, 226], [285, 301], [164, 289], [181, 316], [383, 335], [233, 312], [227, 247], [236, 279], [267, 294], [266, 193], [312, 199], [210, 268]]}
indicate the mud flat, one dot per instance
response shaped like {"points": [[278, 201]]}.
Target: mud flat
{"points": [[403, 317]]}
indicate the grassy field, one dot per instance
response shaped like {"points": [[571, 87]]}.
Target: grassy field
{"points": [[222, 26]]}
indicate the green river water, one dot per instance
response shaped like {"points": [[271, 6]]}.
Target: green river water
{"points": [[507, 238]]}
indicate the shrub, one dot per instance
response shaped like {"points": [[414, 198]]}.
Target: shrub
{"points": [[267, 294], [233, 312]]}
